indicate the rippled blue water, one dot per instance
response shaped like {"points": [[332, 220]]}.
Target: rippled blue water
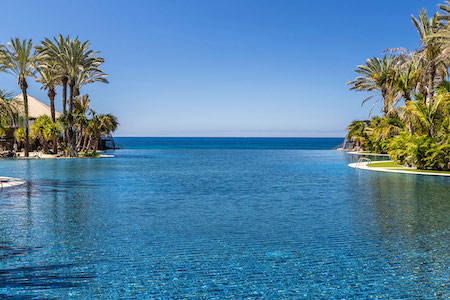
{"points": [[163, 220]]}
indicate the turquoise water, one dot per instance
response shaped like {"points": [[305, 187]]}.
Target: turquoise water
{"points": [[208, 218]]}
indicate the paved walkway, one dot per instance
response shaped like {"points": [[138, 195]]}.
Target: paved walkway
{"points": [[364, 166]]}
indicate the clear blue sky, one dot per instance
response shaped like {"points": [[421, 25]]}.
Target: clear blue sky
{"points": [[223, 68]]}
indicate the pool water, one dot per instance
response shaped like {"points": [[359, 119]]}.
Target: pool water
{"points": [[265, 218]]}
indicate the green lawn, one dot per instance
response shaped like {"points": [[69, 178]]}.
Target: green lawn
{"points": [[394, 166], [389, 164]]}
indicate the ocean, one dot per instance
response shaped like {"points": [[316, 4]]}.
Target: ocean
{"points": [[221, 218]]}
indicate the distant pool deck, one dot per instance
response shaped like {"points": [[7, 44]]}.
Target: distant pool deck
{"points": [[7, 182], [366, 153], [371, 166]]}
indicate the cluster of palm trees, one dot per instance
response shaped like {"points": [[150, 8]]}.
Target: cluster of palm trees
{"points": [[412, 87], [58, 62]]}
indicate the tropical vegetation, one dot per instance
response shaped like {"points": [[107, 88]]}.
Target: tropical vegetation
{"points": [[58, 63], [413, 126]]}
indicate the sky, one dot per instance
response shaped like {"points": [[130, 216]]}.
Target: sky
{"points": [[225, 67]]}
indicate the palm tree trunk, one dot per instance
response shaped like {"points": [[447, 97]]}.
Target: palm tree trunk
{"points": [[385, 96], [72, 142], [45, 145], [79, 139], [64, 105], [51, 95], [86, 138], [23, 87], [94, 152], [55, 145], [64, 95], [430, 98], [89, 144], [76, 91], [408, 117]]}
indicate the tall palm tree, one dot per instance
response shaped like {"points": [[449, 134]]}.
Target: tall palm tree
{"points": [[18, 59], [73, 57], [431, 50], [81, 107], [377, 75], [407, 77], [442, 36], [407, 80], [49, 78], [54, 51], [78, 61]]}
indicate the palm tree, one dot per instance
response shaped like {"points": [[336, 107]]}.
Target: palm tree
{"points": [[407, 77], [430, 53], [51, 133], [73, 57], [108, 124], [8, 111], [2, 126], [38, 130], [78, 61], [98, 127], [356, 132], [429, 116], [90, 75], [407, 80], [81, 107], [446, 9], [49, 78], [53, 51], [377, 75], [17, 59], [389, 126], [19, 136]]}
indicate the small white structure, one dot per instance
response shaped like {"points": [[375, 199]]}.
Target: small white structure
{"points": [[35, 107]]}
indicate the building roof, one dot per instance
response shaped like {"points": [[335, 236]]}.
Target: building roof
{"points": [[35, 107]]}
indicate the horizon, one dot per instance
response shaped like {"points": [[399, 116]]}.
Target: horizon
{"points": [[224, 69]]}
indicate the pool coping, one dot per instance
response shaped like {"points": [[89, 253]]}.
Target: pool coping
{"points": [[10, 182], [366, 153], [364, 166]]}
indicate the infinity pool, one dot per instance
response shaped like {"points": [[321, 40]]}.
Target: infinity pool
{"points": [[174, 222]]}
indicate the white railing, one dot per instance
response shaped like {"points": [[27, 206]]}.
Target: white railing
{"points": [[363, 159]]}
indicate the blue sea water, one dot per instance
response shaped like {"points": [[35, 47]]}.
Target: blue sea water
{"points": [[221, 218]]}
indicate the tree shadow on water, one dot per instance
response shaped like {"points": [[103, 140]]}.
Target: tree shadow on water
{"points": [[44, 277]]}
